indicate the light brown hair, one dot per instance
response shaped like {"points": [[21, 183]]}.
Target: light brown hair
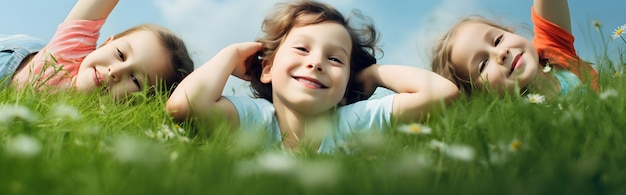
{"points": [[180, 61], [442, 54]]}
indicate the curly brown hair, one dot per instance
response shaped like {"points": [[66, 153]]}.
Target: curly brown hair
{"points": [[442, 60], [286, 16]]}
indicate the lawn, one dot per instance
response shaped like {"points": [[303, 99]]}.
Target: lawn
{"points": [[87, 144]]}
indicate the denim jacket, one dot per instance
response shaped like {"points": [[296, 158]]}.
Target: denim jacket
{"points": [[13, 50]]}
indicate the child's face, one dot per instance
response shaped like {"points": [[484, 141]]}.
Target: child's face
{"points": [[311, 68], [493, 58], [124, 65]]}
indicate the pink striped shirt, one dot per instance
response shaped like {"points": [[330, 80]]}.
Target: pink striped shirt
{"points": [[71, 43]]}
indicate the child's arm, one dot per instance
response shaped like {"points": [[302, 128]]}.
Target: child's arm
{"points": [[555, 11], [200, 93], [419, 90], [91, 10]]}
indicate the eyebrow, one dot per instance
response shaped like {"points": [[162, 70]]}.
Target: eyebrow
{"points": [[334, 45]]}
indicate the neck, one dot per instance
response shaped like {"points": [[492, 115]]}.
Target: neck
{"points": [[297, 127]]}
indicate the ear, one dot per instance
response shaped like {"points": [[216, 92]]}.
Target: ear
{"points": [[107, 41], [266, 72]]}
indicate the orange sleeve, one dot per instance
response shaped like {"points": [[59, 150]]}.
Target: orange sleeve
{"points": [[557, 46]]}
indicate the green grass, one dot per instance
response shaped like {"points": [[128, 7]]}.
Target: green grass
{"points": [[86, 144]]}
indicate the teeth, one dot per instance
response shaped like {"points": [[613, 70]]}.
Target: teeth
{"points": [[309, 82]]}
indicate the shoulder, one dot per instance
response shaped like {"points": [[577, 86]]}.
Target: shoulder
{"points": [[252, 111], [366, 115]]}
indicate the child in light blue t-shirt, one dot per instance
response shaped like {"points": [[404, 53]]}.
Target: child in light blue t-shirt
{"points": [[310, 72]]}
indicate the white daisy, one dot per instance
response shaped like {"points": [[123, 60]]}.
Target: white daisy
{"points": [[415, 128], [536, 98], [23, 146], [608, 93], [617, 33], [9, 113]]}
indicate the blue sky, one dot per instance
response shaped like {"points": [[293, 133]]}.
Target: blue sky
{"points": [[407, 27]]}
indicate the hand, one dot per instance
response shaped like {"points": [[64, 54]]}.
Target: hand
{"points": [[248, 54]]}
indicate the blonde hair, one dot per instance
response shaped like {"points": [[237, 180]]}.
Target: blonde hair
{"points": [[442, 60], [181, 62], [286, 16]]}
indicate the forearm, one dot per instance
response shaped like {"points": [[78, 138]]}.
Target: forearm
{"points": [[91, 9], [199, 92], [407, 79], [419, 90], [555, 11]]}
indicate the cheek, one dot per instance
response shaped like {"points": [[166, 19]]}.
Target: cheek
{"points": [[490, 77], [123, 88]]}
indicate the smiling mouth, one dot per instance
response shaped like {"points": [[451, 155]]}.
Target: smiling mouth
{"points": [[310, 82], [514, 63], [99, 81]]}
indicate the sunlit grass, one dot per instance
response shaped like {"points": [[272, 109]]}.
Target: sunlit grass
{"points": [[70, 143]]}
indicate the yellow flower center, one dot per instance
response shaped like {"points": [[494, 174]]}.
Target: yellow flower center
{"points": [[516, 144], [415, 128], [619, 31]]}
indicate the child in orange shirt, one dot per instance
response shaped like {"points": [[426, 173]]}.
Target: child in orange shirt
{"points": [[480, 54]]}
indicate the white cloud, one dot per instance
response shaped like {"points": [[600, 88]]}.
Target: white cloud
{"points": [[208, 26], [417, 47]]}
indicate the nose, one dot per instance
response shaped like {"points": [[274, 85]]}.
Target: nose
{"points": [[500, 55], [315, 63], [117, 71]]}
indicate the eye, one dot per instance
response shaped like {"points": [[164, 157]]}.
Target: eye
{"points": [[302, 49], [334, 59], [121, 55], [135, 80], [482, 65], [498, 40]]}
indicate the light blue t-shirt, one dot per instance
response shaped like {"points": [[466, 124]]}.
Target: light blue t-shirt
{"points": [[258, 114], [567, 79]]}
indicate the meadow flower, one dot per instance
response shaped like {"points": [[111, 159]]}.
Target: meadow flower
{"points": [[459, 152], [409, 163], [438, 145], [166, 133], [497, 154], [536, 98], [132, 150], [23, 146], [515, 145], [9, 113], [318, 174], [173, 156], [455, 151], [415, 128], [607, 94], [276, 162], [64, 111], [617, 33], [597, 25], [547, 68]]}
